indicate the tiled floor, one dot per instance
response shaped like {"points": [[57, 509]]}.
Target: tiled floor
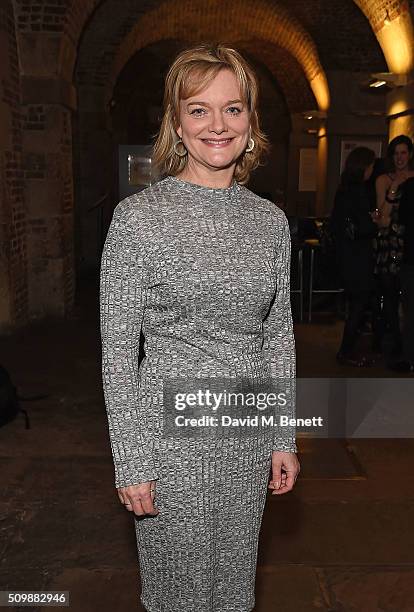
{"points": [[341, 541]]}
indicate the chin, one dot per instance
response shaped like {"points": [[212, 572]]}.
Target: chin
{"points": [[220, 164], [222, 160]]}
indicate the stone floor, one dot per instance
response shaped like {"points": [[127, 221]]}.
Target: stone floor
{"points": [[342, 541]]}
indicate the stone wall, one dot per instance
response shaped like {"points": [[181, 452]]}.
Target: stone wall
{"points": [[13, 251], [47, 166]]}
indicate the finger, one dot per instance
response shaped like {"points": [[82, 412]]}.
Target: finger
{"points": [[147, 501], [280, 491], [137, 508], [144, 503], [276, 473], [290, 480], [272, 485], [288, 484]]}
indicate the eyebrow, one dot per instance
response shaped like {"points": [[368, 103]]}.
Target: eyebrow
{"points": [[201, 103]]}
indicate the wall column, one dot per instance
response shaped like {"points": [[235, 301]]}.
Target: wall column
{"points": [[400, 111], [13, 253], [322, 170], [47, 166]]}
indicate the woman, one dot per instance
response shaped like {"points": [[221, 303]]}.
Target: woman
{"points": [[390, 240], [202, 265], [406, 217], [354, 228]]}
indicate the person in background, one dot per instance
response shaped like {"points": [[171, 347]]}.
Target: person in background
{"points": [[390, 240], [406, 217], [376, 321], [354, 227]]}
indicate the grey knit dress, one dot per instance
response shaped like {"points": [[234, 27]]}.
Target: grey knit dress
{"points": [[205, 274]]}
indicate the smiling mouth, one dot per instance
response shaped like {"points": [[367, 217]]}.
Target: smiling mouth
{"points": [[217, 142]]}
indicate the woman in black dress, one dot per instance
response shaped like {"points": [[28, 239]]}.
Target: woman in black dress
{"points": [[406, 217], [354, 227], [390, 241]]}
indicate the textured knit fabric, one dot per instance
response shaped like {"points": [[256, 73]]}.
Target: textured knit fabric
{"points": [[205, 274]]}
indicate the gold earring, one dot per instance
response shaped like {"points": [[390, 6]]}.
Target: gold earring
{"points": [[182, 154], [250, 145]]}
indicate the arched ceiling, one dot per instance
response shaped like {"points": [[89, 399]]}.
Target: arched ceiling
{"points": [[342, 34], [109, 26], [196, 20], [378, 11], [393, 26]]}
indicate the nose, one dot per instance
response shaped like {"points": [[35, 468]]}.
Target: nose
{"points": [[217, 124]]}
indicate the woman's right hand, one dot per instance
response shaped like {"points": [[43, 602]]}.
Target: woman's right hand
{"points": [[139, 498]]}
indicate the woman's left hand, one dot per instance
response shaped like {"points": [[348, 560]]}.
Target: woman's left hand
{"points": [[285, 470]]}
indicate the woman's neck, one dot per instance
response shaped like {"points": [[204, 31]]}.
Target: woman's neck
{"points": [[218, 179], [403, 172]]}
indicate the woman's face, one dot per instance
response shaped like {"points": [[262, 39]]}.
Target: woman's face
{"points": [[215, 123], [401, 157]]}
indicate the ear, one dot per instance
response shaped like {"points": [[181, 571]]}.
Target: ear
{"points": [[179, 131]]}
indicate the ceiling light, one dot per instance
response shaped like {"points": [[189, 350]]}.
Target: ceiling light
{"points": [[314, 114], [378, 84], [391, 79]]}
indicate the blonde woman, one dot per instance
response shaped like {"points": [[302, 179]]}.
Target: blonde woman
{"points": [[201, 265]]}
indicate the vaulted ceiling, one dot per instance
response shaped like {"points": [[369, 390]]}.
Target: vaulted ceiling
{"points": [[341, 33]]}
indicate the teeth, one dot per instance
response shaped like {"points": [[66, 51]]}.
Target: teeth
{"points": [[217, 141]]}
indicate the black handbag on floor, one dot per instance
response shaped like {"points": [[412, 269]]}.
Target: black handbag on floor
{"points": [[9, 401]]}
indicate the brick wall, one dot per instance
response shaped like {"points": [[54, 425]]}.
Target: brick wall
{"points": [[47, 167], [377, 11], [41, 16], [13, 254]]}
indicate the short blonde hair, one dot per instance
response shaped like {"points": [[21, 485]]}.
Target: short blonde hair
{"points": [[191, 71]]}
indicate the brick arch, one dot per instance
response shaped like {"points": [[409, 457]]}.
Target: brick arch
{"points": [[393, 26], [332, 24], [193, 20]]}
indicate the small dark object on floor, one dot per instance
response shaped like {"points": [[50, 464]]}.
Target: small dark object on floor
{"points": [[9, 400]]}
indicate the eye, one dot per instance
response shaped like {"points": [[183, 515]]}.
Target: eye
{"points": [[197, 112], [234, 110]]}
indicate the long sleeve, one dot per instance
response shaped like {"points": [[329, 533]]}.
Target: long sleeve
{"points": [[278, 339], [123, 279]]}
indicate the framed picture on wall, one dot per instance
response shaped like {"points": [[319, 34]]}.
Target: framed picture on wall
{"points": [[348, 145], [135, 169]]}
